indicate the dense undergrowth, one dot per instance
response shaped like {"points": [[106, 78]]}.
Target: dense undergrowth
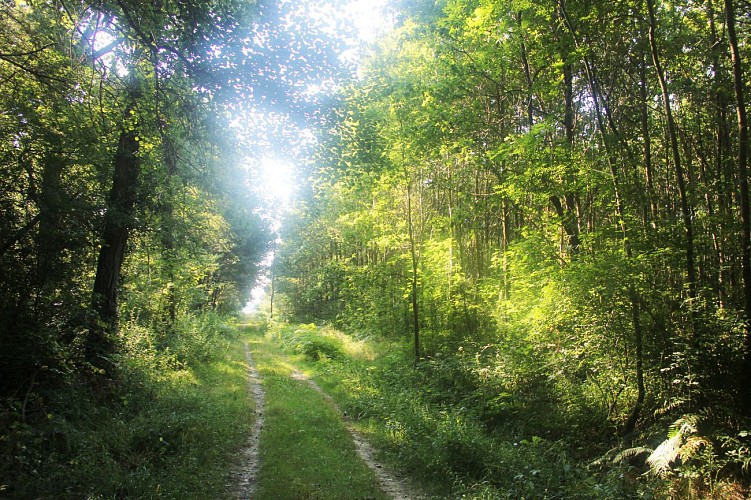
{"points": [[165, 429], [475, 428]]}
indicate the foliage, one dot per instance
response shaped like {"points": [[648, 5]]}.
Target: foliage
{"points": [[435, 423], [309, 341], [562, 226], [129, 229], [693, 453], [165, 432]]}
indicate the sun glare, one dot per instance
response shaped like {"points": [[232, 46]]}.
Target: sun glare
{"points": [[277, 179], [369, 18]]}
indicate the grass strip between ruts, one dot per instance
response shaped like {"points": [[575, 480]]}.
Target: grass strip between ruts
{"points": [[306, 451]]}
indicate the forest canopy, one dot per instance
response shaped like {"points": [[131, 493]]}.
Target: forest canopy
{"points": [[549, 199], [546, 202]]}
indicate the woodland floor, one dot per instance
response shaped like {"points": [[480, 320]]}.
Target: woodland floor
{"points": [[250, 466]]}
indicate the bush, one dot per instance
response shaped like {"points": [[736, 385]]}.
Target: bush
{"points": [[200, 338], [311, 342]]}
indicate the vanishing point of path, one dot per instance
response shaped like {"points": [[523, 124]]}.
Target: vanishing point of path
{"points": [[302, 445]]}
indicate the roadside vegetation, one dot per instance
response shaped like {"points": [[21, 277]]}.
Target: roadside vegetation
{"points": [[532, 217], [466, 432], [546, 204], [168, 430], [131, 231]]}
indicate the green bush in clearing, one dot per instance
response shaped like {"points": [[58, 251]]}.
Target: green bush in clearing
{"points": [[310, 341]]}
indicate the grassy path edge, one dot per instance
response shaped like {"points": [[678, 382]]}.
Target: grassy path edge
{"points": [[294, 449], [392, 485]]}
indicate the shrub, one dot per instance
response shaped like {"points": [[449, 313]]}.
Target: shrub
{"points": [[311, 342], [200, 338]]}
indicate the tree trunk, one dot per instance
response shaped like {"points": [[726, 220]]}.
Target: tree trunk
{"points": [[621, 214], [644, 121], [686, 211], [568, 214], [413, 252], [273, 287], [743, 174], [641, 391], [117, 225]]}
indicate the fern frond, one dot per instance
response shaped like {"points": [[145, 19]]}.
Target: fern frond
{"points": [[631, 452], [692, 445], [674, 447], [684, 426], [659, 460], [673, 405], [606, 458]]}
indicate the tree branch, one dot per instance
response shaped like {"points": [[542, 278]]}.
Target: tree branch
{"points": [[29, 53], [34, 72], [151, 44], [20, 233]]}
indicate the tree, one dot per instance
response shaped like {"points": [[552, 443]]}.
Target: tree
{"points": [[743, 147], [117, 226]]}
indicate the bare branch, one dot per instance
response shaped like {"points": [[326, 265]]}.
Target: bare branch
{"points": [[23, 54]]}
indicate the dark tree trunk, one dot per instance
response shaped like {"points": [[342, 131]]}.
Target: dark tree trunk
{"points": [[568, 213], [621, 213], [686, 212], [743, 174], [644, 122], [118, 222]]}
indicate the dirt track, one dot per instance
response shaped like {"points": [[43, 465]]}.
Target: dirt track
{"points": [[244, 476]]}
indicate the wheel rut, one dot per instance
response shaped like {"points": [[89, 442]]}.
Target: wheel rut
{"points": [[391, 484], [245, 475]]}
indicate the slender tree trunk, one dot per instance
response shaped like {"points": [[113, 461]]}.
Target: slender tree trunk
{"points": [[273, 287], [413, 252], [743, 174], [716, 174], [527, 76], [594, 87], [686, 212], [632, 292], [644, 115], [641, 391], [568, 213]]}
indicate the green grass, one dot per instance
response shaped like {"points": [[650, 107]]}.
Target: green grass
{"points": [[306, 452], [170, 432], [430, 423]]}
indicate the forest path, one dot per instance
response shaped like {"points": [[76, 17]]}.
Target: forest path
{"points": [[393, 486], [295, 437], [244, 477]]}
